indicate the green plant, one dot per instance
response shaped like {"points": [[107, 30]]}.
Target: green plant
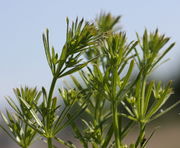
{"points": [[22, 133], [108, 94]]}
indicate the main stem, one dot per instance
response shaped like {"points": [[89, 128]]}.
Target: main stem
{"points": [[115, 108], [49, 140], [141, 135], [116, 124], [51, 92]]}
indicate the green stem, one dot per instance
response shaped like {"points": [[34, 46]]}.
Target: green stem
{"points": [[108, 137], [51, 92], [67, 144], [85, 145], [94, 145], [98, 118], [97, 109], [116, 125], [24, 146], [141, 135], [49, 103], [49, 140], [143, 96]]}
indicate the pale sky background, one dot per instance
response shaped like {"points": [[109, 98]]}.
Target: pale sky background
{"points": [[22, 58]]}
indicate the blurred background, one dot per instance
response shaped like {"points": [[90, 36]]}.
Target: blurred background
{"points": [[22, 58]]}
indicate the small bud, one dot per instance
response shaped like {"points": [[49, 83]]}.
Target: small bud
{"points": [[131, 100]]}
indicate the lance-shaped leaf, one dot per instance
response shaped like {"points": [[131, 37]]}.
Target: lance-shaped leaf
{"points": [[77, 68], [148, 96], [33, 113], [106, 22], [128, 75], [46, 47], [159, 102], [165, 111]]}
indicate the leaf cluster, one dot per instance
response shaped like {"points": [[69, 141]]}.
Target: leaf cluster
{"points": [[108, 100]]}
